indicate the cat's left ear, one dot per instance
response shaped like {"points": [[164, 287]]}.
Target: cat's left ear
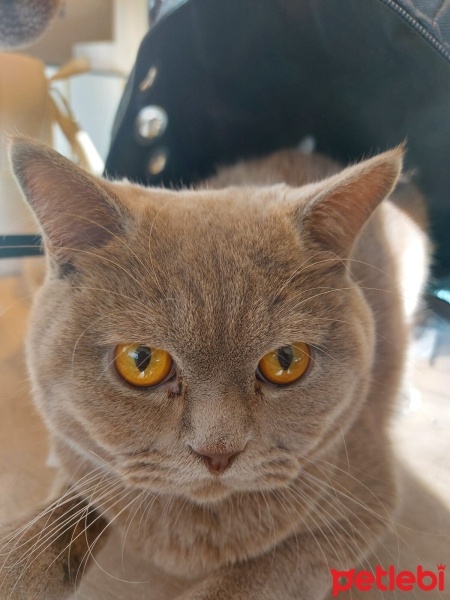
{"points": [[76, 211], [337, 208]]}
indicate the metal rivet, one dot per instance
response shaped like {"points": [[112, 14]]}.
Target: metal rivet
{"points": [[157, 162], [148, 80], [151, 122]]}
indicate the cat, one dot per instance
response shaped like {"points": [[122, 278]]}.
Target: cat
{"points": [[218, 367]]}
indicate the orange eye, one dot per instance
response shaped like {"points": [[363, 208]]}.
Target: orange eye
{"points": [[142, 366], [286, 364]]}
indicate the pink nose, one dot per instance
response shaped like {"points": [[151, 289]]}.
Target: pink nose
{"points": [[216, 463]]}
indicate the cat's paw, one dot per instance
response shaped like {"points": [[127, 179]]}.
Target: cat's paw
{"points": [[46, 558]]}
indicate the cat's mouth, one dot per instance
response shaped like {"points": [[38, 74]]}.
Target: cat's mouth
{"points": [[218, 489], [203, 486]]}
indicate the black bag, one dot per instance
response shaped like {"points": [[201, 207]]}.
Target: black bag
{"points": [[216, 80]]}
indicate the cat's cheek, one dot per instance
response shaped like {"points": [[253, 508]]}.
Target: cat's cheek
{"points": [[285, 420], [108, 412], [111, 416], [300, 416]]}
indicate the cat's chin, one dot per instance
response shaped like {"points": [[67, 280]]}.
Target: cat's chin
{"points": [[209, 492], [217, 490]]}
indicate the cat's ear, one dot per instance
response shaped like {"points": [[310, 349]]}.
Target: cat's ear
{"points": [[76, 210], [338, 207]]}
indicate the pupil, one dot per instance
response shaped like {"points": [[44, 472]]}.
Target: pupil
{"points": [[142, 357], [285, 357]]}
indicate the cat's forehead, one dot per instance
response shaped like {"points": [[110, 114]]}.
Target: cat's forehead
{"points": [[234, 223], [215, 241], [209, 245], [209, 272]]}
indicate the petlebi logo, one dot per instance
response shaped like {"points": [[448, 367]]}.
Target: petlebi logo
{"points": [[389, 579]]}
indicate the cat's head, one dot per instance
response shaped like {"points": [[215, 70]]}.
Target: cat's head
{"points": [[200, 342]]}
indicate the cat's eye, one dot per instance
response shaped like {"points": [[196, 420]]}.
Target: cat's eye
{"points": [[142, 366], [285, 365]]}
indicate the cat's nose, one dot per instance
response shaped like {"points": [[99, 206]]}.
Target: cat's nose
{"points": [[216, 462]]}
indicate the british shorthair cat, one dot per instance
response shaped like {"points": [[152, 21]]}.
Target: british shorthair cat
{"points": [[217, 367]]}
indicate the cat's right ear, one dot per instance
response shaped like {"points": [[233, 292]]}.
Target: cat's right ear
{"points": [[76, 211], [337, 208]]}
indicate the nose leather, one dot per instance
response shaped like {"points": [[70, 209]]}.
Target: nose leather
{"points": [[216, 463]]}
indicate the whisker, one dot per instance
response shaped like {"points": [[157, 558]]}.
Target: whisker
{"points": [[61, 527], [129, 522], [68, 496], [30, 559], [89, 551]]}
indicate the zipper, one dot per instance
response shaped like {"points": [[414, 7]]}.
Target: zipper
{"points": [[418, 27]]}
